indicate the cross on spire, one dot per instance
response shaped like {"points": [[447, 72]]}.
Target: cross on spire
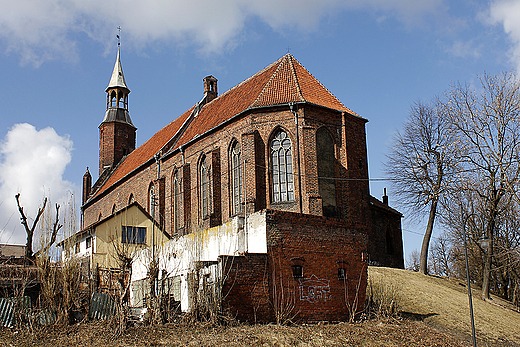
{"points": [[119, 36]]}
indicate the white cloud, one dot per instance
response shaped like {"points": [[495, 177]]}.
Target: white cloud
{"points": [[32, 163], [507, 13], [44, 30], [466, 49]]}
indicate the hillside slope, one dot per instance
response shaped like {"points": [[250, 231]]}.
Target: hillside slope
{"points": [[443, 303]]}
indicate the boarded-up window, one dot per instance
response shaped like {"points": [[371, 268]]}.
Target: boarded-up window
{"points": [[326, 172], [177, 198], [204, 188], [236, 179]]}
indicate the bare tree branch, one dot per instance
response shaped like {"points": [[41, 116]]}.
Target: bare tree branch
{"points": [[55, 228], [29, 231]]}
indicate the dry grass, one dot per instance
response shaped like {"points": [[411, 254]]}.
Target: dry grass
{"points": [[437, 308], [369, 334], [443, 303]]}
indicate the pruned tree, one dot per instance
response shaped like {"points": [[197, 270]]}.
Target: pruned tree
{"points": [[488, 126], [421, 164], [30, 231]]}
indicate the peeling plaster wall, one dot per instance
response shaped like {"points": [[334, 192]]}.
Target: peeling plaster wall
{"points": [[178, 257]]}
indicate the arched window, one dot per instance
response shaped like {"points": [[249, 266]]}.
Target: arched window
{"points": [[121, 101], [176, 208], [236, 179], [151, 201], [204, 188], [325, 159], [282, 180], [113, 102]]}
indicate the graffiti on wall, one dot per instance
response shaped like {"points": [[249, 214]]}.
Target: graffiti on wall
{"points": [[314, 290]]}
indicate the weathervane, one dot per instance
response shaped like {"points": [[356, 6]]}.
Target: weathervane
{"points": [[119, 36]]}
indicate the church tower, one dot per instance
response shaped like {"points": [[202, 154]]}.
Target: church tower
{"points": [[116, 132]]}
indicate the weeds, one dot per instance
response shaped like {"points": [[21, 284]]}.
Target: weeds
{"points": [[383, 298]]}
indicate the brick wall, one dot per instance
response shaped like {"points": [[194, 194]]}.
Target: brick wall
{"points": [[254, 131], [115, 141], [386, 241], [321, 246], [245, 290], [263, 287]]}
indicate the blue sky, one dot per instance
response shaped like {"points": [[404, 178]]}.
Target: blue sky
{"points": [[376, 56]]}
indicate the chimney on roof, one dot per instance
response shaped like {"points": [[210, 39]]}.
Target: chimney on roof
{"points": [[87, 186], [210, 88], [385, 197]]}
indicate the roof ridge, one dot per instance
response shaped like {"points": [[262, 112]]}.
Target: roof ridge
{"points": [[245, 81], [295, 76], [279, 62]]}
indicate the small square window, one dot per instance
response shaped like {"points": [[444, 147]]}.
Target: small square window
{"points": [[342, 273], [297, 271]]}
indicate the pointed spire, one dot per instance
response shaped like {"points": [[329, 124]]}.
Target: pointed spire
{"points": [[118, 79]]}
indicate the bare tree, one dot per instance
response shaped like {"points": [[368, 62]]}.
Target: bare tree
{"points": [[30, 231], [421, 164], [487, 123], [412, 264], [440, 255]]}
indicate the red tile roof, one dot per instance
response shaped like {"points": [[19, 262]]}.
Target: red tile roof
{"points": [[284, 81]]}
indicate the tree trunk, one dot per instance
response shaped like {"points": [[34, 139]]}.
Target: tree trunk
{"points": [[487, 271], [423, 262], [489, 252]]}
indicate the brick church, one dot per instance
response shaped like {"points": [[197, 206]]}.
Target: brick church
{"points": [[262, 192]]}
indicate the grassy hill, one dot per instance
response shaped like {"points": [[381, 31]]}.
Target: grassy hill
{"points": [[443, 303]]}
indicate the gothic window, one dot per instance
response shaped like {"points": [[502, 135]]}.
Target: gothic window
{"points": [[282, 180], [204, 188], [325, 159], [176, 208], [236, 179]]}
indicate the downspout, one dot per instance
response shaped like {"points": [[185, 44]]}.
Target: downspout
{"points": [[158, 161], [244, 182], [295, 112]]}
